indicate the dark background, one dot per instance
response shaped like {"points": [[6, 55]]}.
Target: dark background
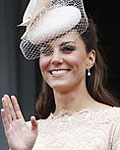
{"points": [[22, 77]]}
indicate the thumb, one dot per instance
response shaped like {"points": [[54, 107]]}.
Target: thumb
{"points": [[34, 125]]}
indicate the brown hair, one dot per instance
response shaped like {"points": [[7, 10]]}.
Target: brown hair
{"points": [[46, 103]]}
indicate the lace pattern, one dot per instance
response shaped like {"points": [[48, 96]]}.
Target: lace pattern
{"points": [[89, 129]]}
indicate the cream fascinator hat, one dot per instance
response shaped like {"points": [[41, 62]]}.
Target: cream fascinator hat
{"points": [[48, 19]]}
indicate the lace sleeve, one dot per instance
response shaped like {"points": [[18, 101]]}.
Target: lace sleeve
{"points": [[116, 137]]}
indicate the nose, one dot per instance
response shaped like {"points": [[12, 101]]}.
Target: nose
{"points": [[56, 58]]}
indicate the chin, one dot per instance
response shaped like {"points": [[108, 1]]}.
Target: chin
{"points": [[60, 86]]}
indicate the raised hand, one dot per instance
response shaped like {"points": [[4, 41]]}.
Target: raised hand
{"points": [[19, 135]]}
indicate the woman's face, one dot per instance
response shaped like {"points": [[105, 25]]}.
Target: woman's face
{"points": [[64, 61]]}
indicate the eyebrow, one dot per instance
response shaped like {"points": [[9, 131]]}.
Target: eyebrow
{"points": [[62, 44], [65, 43]]}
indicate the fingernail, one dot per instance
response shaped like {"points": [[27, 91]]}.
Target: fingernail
{"points": [[33, 117], [5, 95], [2, 110], [12, 96], [3, 98]]}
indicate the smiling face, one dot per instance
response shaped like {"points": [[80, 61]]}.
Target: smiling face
{"points": [[64, 61]]}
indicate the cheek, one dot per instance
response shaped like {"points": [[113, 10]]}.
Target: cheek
{"points": [[77, 61], [43, 63]]}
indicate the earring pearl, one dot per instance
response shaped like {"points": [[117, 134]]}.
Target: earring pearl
{"points": [[89, 73]]}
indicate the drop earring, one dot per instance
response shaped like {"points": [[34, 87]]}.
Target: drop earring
{"points": [[89, 73]]}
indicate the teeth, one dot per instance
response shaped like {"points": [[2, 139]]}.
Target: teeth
{"points": [[59, 72]]}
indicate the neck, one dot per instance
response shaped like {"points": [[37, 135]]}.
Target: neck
{"points": [[75, 99]]}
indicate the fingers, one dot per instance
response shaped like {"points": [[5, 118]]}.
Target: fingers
{"points": [[11, 108], [16, 107], [6, 108], [34, 124], [5, 120], [6, 123]]}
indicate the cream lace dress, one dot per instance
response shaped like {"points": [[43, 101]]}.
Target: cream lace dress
{"points": [[88, 129]]}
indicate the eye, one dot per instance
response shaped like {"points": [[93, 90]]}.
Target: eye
{"points": [[68, 49]]}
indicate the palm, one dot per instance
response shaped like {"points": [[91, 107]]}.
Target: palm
{"points": [[19, 135]]}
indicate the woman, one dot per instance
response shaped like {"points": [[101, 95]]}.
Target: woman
{"points": [[79, 112]]}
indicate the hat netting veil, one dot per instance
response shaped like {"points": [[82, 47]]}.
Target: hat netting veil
{"points": [[48, 19]]}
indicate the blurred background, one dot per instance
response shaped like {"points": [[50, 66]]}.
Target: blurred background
{"points": [[22, 78]]}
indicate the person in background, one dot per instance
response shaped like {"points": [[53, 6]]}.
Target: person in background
{"points": [[76, 111]]}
